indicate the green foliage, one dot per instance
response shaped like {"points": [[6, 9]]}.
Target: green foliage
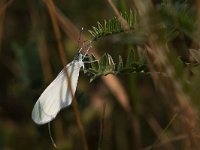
{"points": [[113, 26], [106, 65], [180, 17], [177, 23]]}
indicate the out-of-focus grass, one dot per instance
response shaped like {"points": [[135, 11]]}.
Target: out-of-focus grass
{"points": [[162, 109]]}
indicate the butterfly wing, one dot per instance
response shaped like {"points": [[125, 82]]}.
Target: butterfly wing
{"points": [[57, 95]]}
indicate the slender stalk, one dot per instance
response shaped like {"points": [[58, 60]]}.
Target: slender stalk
{"points": [[62, 54], [102, 127], [120, 18]]}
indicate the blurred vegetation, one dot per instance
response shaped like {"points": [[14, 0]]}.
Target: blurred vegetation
{"points": [[143, 93]]}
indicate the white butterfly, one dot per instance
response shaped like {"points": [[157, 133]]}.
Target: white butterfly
{"points": [[58, 95]]}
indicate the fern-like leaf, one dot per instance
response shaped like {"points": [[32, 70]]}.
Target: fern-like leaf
{"points": [[113, 26]]}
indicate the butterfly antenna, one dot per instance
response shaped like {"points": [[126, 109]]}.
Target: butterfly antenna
{"points": [[79, 39], [80, 50], [88, 46], [49, 128]]}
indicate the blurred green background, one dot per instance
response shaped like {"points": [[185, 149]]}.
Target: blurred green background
{"points": [[29, 61]]}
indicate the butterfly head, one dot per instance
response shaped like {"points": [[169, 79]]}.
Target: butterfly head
{"points": [[78, 57]]}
